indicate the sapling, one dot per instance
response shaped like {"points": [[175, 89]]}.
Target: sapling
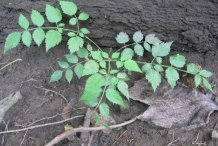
{"points": [[108, 72]]}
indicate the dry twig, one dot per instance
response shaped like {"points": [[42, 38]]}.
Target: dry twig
{"points": [[10, 63]]}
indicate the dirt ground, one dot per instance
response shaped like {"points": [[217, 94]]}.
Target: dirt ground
{"points": [[33, 73]]}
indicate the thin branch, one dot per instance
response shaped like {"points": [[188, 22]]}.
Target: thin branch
{"points": [[10, 63], [53, 92], [43, 125], [86, 129]]}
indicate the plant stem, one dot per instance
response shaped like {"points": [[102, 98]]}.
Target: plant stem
{"points": [[93, 43], [129, 45]]}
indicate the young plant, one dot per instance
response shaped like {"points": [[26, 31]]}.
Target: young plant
{"points": [[108, 72]]}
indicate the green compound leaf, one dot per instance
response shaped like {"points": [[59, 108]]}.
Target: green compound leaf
{"points": [[177, 60], [192, 68], [90, 67], [63, 64], [69, 75], [37, 18], [132, 66], [146, 67], [56, 76], [104, 109], [96, 55], [89, 47], [75, 43], [38, 36], [105, 54], [95, 81], [119, 64], [68, 8], [90, 96], [71, 58], [84, 31], [205, 73], [115, 55], [139, 50], [73, 21], [83, 53], [154, 78], [114, 97], [158, 68], [137, 36], [79, 70], [122, 38], [160, 50], [26, 38], [159, 60], [102, 64], [121, 75], [123, 88], [23, 22], [83, 16], [172, 76], [207, 85], [197, 80], [147, 46], [52, 38], [151, 39], [12, 41], [53, 14]]}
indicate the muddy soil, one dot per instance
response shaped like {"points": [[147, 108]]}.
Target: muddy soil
{"points": [[193, 25]]}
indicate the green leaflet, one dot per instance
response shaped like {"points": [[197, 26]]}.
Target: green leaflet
{"points": [[38, 36], [102, 64], [115, 55], [96, 55], [96, 117], [56, 76], [159, 60], [146, 67], [127, 51], [71, 58], [205, 73], [82, 53], [79, 70], [114, 97], [63, 64], [192, 68], [37, 18], [73, 21], [12, 41], [137, 36], [139, 50], [119, 64], [53, 14], [69, 75], [90, 96], [75, 43], [114, 71], [23, 22], [207, 85], [26, 38], [95, 81], [105, 54], [52, 38], [84, 31], [71, 34], [158, 68], [154, 78], [161, 49], [89, 47], [147, 46], [172, 76], [151, 39], [68, 8], [197, 80], [132, 66], [104, 109], [122, 37], [177, 60], [90, 67], [83, 16], [123, 88], [121, 75]]}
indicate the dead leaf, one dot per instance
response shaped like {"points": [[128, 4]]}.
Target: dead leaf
{"points": [[169, 108]]}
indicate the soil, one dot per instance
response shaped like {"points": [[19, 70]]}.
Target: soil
{"points": [[191, 24]]}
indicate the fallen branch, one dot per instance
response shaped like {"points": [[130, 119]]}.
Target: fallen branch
{"points": [[43, 125], [10, 63], [85, 129]]}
